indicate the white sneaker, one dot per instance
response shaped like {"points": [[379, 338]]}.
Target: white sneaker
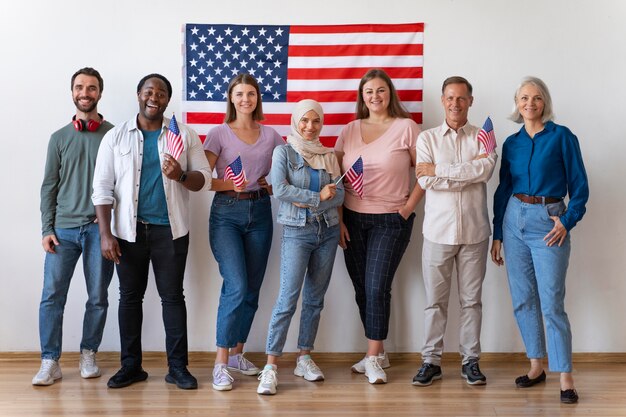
{"points": [[49, 372], [238, 363], [222, 379], [359, 367], [306, 368], [87, 364], [269, 381], [373, 371]]}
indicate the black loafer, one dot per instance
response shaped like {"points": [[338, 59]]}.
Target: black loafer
{"points": [[569, 396], [180, 376], [127, 376], [525, 382]]}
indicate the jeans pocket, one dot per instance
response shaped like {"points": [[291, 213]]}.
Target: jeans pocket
{"points": [[222, 201], [556, 209]]}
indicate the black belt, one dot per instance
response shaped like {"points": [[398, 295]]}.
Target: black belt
{"points": [[535, 199]]}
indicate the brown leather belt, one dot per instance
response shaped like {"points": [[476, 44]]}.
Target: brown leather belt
{"points": [[535, 199], [249, 195]]}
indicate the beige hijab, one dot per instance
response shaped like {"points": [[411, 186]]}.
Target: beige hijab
{"points": [[314, 153]]}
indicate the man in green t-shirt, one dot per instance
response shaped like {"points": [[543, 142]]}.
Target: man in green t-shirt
{"points": [[69, 230]]}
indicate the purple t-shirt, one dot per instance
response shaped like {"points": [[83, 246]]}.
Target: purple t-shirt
{"points": [[256, 159]]}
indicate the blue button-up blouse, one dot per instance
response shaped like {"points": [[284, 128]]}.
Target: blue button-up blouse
{"points": [[548, 165]]}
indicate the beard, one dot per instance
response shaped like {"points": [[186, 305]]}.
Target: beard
{"points": [[88, 108]]}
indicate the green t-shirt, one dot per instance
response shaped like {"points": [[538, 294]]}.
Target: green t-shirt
{"points": [[68, 178]]}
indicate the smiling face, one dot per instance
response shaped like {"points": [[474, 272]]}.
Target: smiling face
{"points": [[244, 98], [376, 94], [86, 93], [456, 101], [530, 103], [153, 99], [310, 125]]}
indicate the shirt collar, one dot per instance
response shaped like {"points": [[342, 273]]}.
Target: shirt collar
{"points": [[445, 129], [549, 126], [133, 125]]}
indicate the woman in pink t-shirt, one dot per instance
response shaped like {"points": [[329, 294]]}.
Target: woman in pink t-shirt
{"points": [[376, 225]]}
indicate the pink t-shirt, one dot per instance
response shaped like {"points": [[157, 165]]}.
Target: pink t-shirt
{"points": [[386, 166], [256, 159]]}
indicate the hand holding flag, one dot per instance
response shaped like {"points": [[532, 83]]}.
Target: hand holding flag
{"points": [[174, 139], [487, 137], [234, 171], [355, 176]]}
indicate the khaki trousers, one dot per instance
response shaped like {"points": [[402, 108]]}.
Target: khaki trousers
{"points": [[437, 265]]}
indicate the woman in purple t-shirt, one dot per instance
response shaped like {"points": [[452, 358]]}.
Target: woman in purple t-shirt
{"points": [[240, 223]]}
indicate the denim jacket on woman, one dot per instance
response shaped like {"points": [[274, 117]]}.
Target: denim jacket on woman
{"points": [[291, 177]]}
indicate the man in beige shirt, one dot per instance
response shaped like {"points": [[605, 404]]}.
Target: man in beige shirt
{"points": [[453, 167]]}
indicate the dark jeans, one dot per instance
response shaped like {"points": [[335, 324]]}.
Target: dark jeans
{"points": [[377, 243], [153, 244]]}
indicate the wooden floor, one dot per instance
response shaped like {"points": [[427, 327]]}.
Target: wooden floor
{"points": [[602, 389]]}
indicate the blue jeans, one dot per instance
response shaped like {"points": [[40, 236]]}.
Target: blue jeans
{"points": [[537, 281], [306, 259], [240, 234], [58, 271], [154, 244]]}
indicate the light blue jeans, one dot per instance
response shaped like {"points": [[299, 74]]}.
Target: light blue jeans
{"points": [[306, 263], [240, 234], [537, 281], [58, 271]]}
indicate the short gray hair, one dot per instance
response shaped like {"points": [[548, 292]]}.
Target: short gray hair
{"points": [[548, 114]]}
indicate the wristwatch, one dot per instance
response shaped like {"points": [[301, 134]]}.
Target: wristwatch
{"points": [[182, 177]]}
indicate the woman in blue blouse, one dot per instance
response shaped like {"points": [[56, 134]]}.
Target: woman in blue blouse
{"points": [[541, 164], [303, 175]]}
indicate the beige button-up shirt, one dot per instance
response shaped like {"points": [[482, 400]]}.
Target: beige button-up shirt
{"points": [[456, 197]]}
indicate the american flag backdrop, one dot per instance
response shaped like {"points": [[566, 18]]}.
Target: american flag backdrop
{"points": [[291, 63]]}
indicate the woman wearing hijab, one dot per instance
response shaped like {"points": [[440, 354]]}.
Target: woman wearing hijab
{"points": [[303, 175]]}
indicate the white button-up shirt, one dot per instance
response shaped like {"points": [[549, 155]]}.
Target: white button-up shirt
{"points": [[456, 197], [118, 172]]}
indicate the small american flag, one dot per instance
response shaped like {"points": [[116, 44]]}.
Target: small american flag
{"points": [[291, 63], [234, 171], [487, 137], [355, 176], [174, 139]]}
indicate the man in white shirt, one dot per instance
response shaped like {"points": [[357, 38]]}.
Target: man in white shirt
{"points": [[147, 191], [453, 167]]}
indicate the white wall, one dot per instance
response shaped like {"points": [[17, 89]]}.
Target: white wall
{"points": [[576, 46]]}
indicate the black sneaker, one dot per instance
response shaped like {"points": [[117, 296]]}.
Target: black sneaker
{"points": [[126, 376], [180, 376], [427, 374], [569, 396], [471, 372]]}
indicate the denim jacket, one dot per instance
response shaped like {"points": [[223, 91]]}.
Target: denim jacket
{"points": [[290, 177]]}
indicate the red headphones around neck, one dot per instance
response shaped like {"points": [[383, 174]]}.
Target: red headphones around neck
{"points": [[89, 125]]}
